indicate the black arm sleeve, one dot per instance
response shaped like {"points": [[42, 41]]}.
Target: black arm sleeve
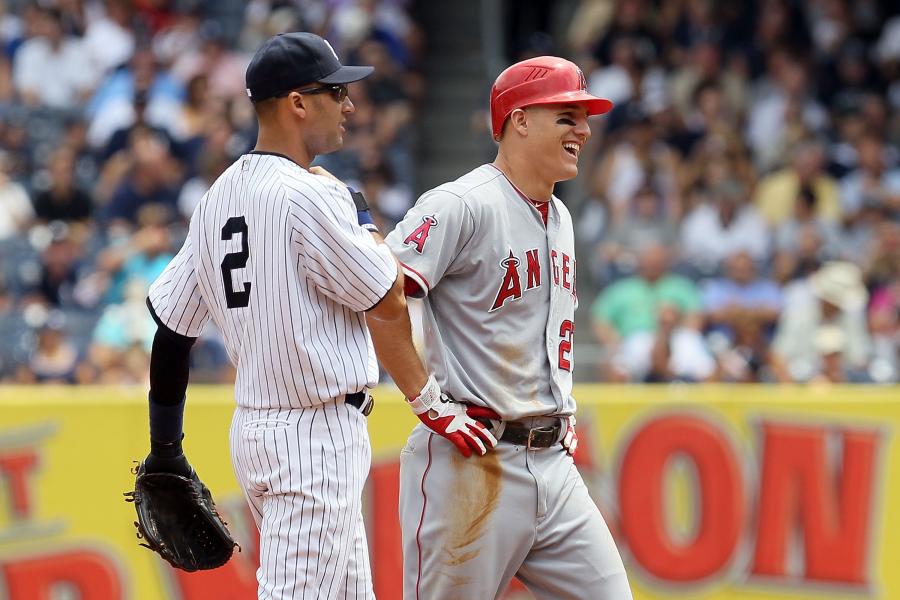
{"points": [[169, 369], [169, 366]]}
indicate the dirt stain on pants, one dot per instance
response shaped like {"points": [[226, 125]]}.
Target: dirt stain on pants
{"points": [[476, 485]]}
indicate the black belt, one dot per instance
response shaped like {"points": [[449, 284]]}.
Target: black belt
{"points": [[531, 437], [359, 401]]}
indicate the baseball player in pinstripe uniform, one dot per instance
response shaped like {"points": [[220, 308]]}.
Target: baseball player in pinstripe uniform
{"points": [[493, 255], [279, 257]]}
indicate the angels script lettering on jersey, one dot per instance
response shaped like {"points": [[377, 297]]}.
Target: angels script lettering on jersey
{"points": [[562, 262], [511, 281]]}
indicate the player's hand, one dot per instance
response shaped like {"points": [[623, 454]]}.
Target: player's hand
{"points": [[454, 420], [323, 172], [570, 440]]}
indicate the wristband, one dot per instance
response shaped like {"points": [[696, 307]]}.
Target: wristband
{"points": [[166, 449], [427, 398], [363, 216], [166, 421]]}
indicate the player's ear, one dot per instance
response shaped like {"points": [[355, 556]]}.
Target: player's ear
{"points": [[297, 103], [519, 121]]}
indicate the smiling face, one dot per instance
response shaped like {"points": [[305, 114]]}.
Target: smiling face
{"points": [[554, 135]]}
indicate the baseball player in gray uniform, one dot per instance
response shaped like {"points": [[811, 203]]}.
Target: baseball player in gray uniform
{"points": [[493, 255], [280, 258]]}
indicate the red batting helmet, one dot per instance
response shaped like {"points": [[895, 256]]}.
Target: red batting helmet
{"points": [[541, 80]]}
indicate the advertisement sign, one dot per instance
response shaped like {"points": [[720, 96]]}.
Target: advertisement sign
{"points": [[712, 492]]}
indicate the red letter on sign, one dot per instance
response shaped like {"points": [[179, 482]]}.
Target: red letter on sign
{"points": [[15, 468], [831, 505], [387, 549], [642, 503], [92, 576]]}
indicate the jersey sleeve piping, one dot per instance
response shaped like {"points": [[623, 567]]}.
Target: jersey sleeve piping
{"points": [[417, 277]]}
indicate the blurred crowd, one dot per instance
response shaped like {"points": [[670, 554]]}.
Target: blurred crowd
{"points": [[743, 220], [115, 118]]}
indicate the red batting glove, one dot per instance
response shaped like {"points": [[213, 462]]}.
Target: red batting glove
{"points": [[454, 420], [570, 440]]}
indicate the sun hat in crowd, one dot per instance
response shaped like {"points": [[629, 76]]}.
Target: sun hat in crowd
{"points": [[841, 284]]}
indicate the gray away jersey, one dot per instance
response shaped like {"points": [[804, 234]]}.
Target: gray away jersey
{"points": [[500, 306], [276, 258]]}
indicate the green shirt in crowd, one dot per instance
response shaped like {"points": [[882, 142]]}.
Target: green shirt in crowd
{"points": [[630, 305]]}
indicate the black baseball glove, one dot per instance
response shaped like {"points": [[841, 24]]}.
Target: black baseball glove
{"points": [[177, 519]]}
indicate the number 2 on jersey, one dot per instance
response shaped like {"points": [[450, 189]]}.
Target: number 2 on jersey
{"points": [[566, 330], [235, 260]]}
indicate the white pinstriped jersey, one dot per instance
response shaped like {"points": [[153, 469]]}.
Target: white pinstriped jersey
{"points": [[275, 257], [500, 306]]}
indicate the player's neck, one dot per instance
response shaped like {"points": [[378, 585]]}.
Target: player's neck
{"points": [[523, 176], [267, 142]]}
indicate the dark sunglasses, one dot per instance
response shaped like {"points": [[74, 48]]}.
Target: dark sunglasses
{"points": [[338, 91]]}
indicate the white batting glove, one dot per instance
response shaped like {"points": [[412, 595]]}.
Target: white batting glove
{"points": [[454, 420], [570, 440]]}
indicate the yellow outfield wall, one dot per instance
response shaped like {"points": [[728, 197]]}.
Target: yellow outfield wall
{"points": [[712, 492]]}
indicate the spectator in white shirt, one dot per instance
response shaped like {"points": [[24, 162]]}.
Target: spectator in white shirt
{"points": [[52, 69], [109, 39], [722, 226], [16, 211]]}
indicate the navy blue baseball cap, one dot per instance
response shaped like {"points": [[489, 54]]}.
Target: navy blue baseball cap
{"points": [[291, 60]]}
